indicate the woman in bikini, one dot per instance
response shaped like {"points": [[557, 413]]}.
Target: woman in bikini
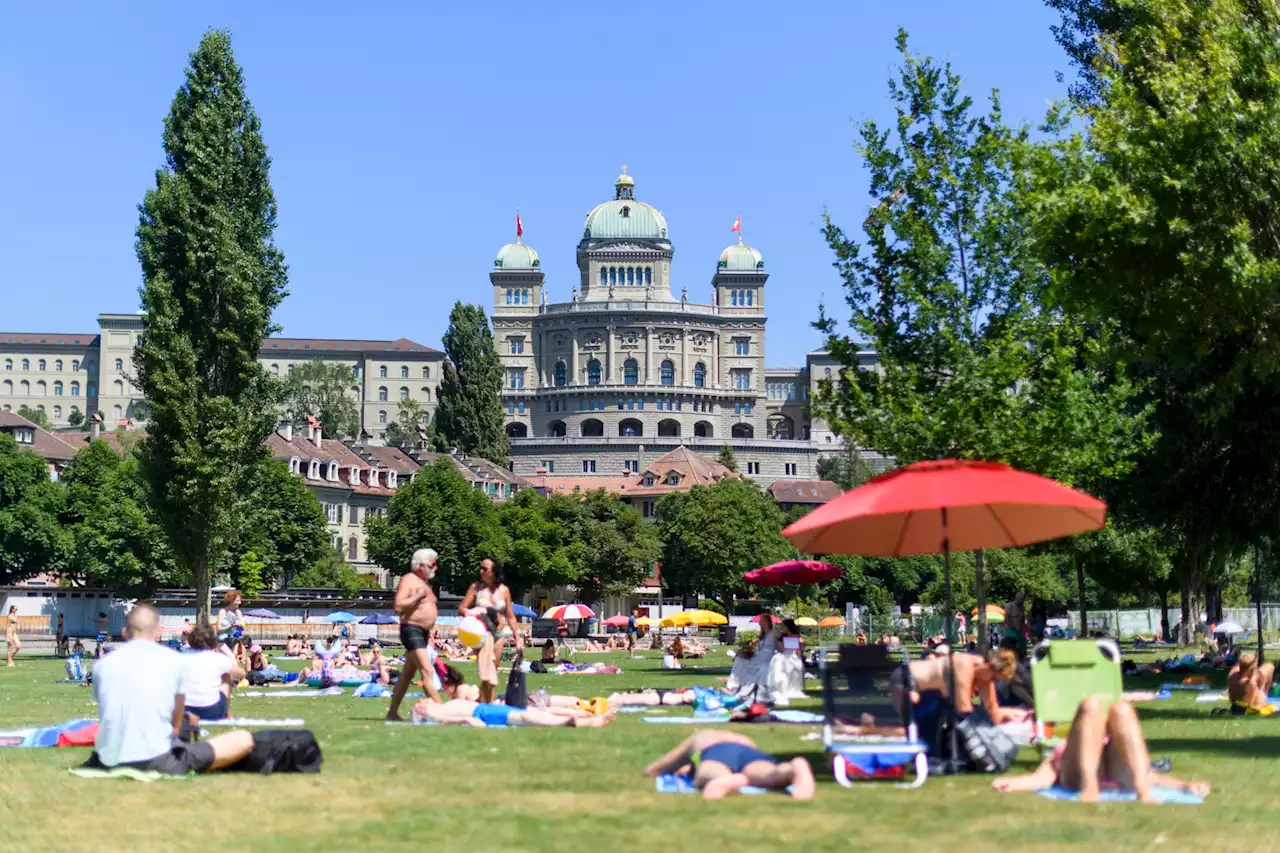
{"points": [[1105, 750], [1248, 686], [229, 620], [11, 641], [490, 601], [725, 762]]}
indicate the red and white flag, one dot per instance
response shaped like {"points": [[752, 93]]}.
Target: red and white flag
{"points": [[737, 225], [519, 227]]}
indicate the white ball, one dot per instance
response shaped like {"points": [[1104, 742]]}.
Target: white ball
{"points": [[471, 632]]}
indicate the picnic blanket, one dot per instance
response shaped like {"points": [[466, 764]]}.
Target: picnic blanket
{"points": [[675, 783], [1212, 696], [1145, 695], [71, 733], [1175, 796], [123, 773], [292, 694], [586, 669], [1177, 685]]}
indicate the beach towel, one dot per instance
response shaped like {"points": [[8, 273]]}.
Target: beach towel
{"points": [[1175, 796], [44, 736], [639, 709], [123, 773], [674, 783], [697, 720], [1173, 685], [1212, 696], [1145, 695], [798, 717], [252, 721], [292, 694], [876, 765]]}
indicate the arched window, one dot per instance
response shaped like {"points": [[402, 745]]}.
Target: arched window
{"points": [[613, 275], [703, 429], [57, 365], [592, 428], [699, 375], [426, 372], [275, 370], [75, 389], [41, 388], [426, 395], [118, 388], [827, 372], [313, 471], [604, 276], [669, 428], [119, 364], [353, 549], [7, 387], [517, 430], [26, 364], [556, 429], [743, 431], [648, 276], [8, 364], [42, 368], [289, 369], [117, 414], [630, 372], [561, 374], [382, 371], [593, 372], [404, 393], [630, 428], [57, 389], [404, 372], [382, 393], [631, 276], [75, 364], [382, 417], [668, 372]]}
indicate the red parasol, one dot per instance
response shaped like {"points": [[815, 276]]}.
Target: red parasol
{"points": [[793, 572], [618, 621]]}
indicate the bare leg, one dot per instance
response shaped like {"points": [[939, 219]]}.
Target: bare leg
{"points": [[9, 648], [720, 787], [229, 748], [1125, 758], [402, 687], [1266, 675], [1078, 770]]}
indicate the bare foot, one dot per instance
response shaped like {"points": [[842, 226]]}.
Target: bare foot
{"points": [[1089, 795], [803, 786], [593, 722], [1146, 796], [394, 718]]}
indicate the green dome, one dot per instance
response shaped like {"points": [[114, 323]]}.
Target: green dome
{"points": [[740, 258], [516, 256], [625, 218]]}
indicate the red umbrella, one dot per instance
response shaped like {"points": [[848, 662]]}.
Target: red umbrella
{"points": [[794, 572], [618, 621]]}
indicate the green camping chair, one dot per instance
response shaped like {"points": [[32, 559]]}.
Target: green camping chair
{"points": [[1065, 672]]}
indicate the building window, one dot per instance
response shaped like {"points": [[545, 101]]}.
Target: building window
{"points": [[517, 346], [668, 373], [57, 413], [57, 389], [8, 364], [57, 365], [742, 380], [75, 364], [588, 466], [604, 276], [42, 363], [613, 275], [26, 364], [827, 372], [753, 467], [790, 468], [289, 369], [520, 407], [382, 393], [382, 417], [41, 388], [426, 372], [117, 388], [119, 365], [549, 465], [275, 370], [648, 276], [593, 372], [355, 515], [630, 372], [561, 374], [404, 393], [353, 549], [699, 375], [515, 377], [511, 407], [508, 296], [741, 347], [382, 371], [331, 513]]}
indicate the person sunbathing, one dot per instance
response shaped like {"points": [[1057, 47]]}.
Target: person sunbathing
{"points": [[648, 698], [928, 679], [1248, 685], [676, 649], [725, 762], [1104, 750], [292, 646], [593, 646], [466, 712]]}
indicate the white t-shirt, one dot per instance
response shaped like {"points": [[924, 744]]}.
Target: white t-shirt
{"points": [[202, 672], [136, 686]]}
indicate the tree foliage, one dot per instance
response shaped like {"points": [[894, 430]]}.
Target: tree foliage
{"points": [[31, 538], [330, 571], [403, 431], [212, 277], [284, 527], [846, 469], [469, 414], [727, 458], [321, 390], [36, 416]]}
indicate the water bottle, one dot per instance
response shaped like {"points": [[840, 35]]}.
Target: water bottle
{"points": [[542, 697]]}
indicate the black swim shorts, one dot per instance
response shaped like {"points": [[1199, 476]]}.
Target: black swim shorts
{"points": [[413, 637], [181, 759]]}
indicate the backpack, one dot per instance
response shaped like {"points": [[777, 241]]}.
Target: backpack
{"points": [[986, 747], [517, 688], [281, 751]]}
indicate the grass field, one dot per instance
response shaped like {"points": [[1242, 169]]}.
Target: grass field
{"points": [[452, 788]]}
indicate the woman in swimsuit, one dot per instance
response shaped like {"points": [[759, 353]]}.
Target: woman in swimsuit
{"points": [[229, 619], [465, 712], [1105, 749], [724, 762], [11, 633], [490, 600]]}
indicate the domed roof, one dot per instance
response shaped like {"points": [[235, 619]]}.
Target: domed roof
{"points": [[740, 258], [516, 256], [623, 218]]}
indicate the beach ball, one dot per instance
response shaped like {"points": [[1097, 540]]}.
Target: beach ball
{"points": [[471, 632]]}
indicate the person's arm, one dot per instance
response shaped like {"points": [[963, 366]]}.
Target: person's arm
{"points": [[235, 673], [1042, 777], [468, 600], [511, 616], [179, 711], [673, 760]]}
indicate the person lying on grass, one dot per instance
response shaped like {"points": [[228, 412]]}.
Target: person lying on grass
{"points": [[1105, 750], [974, 675], [724, 762], [465, 712], [1248, 685]]}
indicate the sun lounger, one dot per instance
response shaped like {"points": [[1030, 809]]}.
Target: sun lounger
{"points": [[1065, 672]]}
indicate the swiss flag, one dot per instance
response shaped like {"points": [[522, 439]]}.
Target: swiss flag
{"points": [[519, 227], [737, 225]]}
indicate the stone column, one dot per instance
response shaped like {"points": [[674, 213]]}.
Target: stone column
{"points": [[686, 373], [610, 359], [573, 366]]}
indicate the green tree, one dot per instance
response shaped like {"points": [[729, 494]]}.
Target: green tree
{"points": [[1155, 210], [440, 510], [403, 431], [846, 469], [323, 391], [76, 417], [212, 277], [544, 549], [248, 577], [619, 547], [284, 527], [116, 543], [330, 571], [727, 458], [712, 535], [469, 414], [36, 416], [31, 538]]}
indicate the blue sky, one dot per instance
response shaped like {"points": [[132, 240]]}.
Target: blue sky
{"points": [[404, 136]]}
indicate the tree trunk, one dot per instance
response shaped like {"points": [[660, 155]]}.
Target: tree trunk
{"points": [[202, 591], [1084, 606], [1185, 630], [1257, 601], [980, 591], [1164, 615]]}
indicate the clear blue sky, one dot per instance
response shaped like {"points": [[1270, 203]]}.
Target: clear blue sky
{"points": [[404, 136]]}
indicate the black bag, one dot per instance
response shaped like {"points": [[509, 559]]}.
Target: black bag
{"points": [[517, 689], [538, 667], [986, 748], [281, 751]]}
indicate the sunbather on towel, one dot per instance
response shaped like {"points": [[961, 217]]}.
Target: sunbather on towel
{"points": [[1248, 685], [974, 675], [1105, 749], [465, 712], [724, 762]]}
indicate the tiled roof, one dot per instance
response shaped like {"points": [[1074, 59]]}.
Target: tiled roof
{"points": [[551, 484], [804, 491], [79, 439], [330, 451], [275, 345], [475, 469], [692, 470], [385, 457], [45, 444], [55, 338]]}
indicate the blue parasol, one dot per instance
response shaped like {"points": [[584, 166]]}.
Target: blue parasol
{"points": [[522, 611], [262, 613], [379, 619], [341, 616]]}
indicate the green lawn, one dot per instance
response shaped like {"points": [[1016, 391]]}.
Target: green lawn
{"points": [[416, 788]]}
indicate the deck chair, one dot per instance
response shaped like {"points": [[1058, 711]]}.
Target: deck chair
{"points": [[866, 736], [1065, 672]]}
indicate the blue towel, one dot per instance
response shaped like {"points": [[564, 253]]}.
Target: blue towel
{"points": [[805, 717], [1176, 796], [42, 736], [674, 783], [700, 720]]}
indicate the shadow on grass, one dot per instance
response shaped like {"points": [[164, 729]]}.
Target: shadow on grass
{"points": [[1254, 747], [1146, 712]]}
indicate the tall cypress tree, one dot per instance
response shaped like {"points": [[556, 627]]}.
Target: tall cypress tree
{"points": [[470, 412], [211, 278]]}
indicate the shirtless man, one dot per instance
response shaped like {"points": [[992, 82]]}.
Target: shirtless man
{"points": [[464, 712], [974, 674], [416, 606], [1248, 684]]}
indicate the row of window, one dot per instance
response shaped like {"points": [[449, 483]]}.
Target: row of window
{"points": [[517, 345], [42, 365], [517, 296], [663, 405], [515, 407], [355, 371], [42, 390], [515, 377], [329, 471], [668, 428], [741, 377], [626, 276], [784, 391], [117, 412], [741, 408], [630, 373], [742, 298], [404, 393]]}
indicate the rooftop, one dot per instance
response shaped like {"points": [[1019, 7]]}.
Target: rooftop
{"points": [[45, 444], [804, 491], [271, 345]]}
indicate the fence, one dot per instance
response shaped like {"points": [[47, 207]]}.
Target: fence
{"points": [[1127, 623]]}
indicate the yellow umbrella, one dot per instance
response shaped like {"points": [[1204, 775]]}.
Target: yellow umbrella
{"points": [[646, 622], [700, 618], [807, 622]]}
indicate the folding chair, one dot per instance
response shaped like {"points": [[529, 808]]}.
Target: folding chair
{"points": [[1065, 672], [866, 736]]}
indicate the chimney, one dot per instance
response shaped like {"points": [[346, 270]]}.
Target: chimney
{"points": [[284, 429], [96, 430], [314, 432]]}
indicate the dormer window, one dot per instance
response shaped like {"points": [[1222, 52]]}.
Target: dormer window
{"points": [[391, 479], [673, 479], [295, 465], [314, 470], [373, 477], [24, 436], [353, 475], [626, 212], [333, 472], [648, 479]]}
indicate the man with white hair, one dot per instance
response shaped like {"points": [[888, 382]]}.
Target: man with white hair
{"points": [[139, 688], [416, 606]]}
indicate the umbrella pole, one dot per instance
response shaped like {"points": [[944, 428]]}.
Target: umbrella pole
{"points": [[952, 762]]}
